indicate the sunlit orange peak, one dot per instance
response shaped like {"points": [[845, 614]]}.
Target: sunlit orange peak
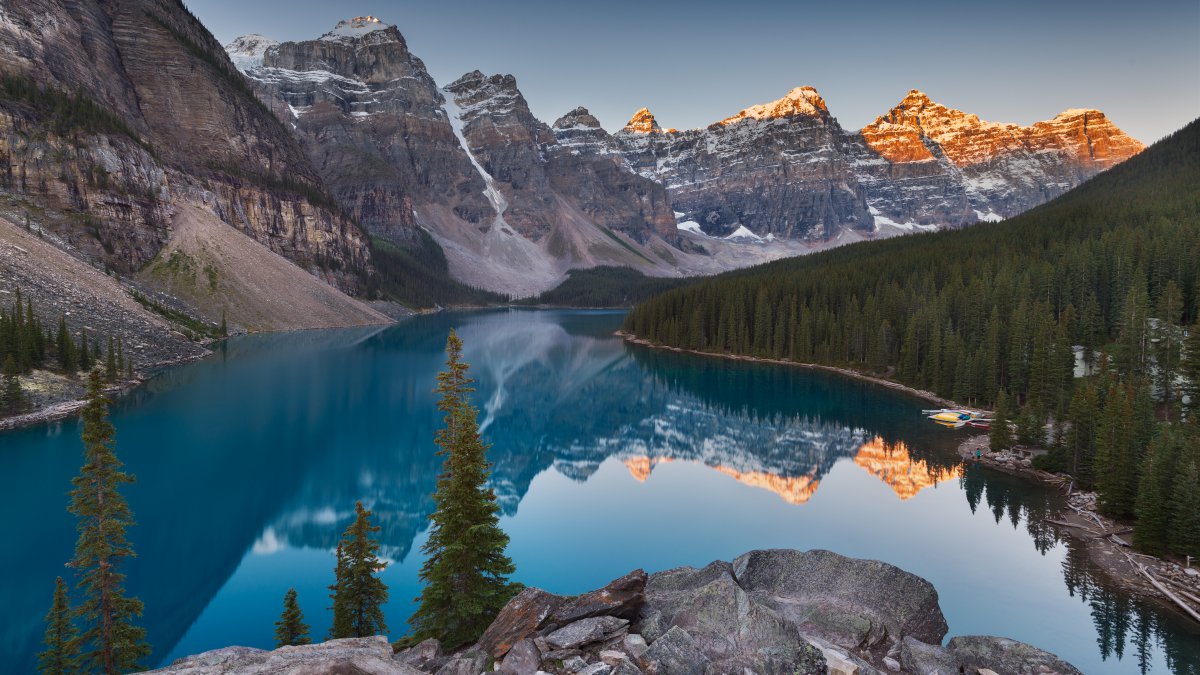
{"points": [[895, 466], [796, 490], [640, 467]]}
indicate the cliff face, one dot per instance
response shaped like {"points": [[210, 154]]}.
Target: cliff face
{"points": [[162, 118], [469, 163]]}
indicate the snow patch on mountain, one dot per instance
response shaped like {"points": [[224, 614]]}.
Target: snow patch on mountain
{"points": [[743, 234], [353, 29], [247, 51]]}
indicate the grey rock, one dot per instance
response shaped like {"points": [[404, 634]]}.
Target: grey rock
{"points": [[369, 656], [585, 631], [470, 662], [848, 601], [561, 654], [612, 656], [918, 657], [1006, 656], [522, 659], [721, 618], [425, 656], [676, 653], [595, 669], [622, 598], [574, 664], [626, 667], [891, 664], [634, 645]]}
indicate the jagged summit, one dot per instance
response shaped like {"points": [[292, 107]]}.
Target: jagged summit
{"points": [[643, 122], [579, 117], [799, 102], [352, 29]]}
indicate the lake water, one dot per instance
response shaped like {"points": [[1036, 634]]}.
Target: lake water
{"points": [[607, 457]]}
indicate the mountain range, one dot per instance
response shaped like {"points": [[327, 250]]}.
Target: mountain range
{"points": [[134, 142]]}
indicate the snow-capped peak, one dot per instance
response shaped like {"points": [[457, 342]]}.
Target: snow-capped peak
{"points": [[352, 29], [801, 101], [915, 98], [247, 51]]}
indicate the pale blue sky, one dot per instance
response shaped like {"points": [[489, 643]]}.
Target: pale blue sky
{"points": [[693, 63]]}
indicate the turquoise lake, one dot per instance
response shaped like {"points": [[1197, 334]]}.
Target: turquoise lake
{"points": [[607, 457]]}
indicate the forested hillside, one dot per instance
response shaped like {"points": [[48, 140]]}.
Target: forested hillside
{"points": [[994, 312]]}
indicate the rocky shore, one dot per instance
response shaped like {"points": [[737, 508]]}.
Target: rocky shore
{"points": [[771, 612], [1107, 541]]}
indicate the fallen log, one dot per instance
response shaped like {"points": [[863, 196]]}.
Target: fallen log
{"points": [[1164, 590]]}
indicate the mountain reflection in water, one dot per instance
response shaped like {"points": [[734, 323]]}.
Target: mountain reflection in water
{"points": [[605, 457]]}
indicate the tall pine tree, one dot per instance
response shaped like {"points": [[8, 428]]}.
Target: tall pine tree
{"points": [[1000, 436], [466, 569], [358, 592], [112, 643], [61, 656]]}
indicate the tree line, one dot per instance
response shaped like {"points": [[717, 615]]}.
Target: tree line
{"points": [[465, 573], [28, 343], [995, 316]]}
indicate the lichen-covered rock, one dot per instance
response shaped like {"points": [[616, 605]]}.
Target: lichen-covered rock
{"points": [[520, 618], [365, 656], [918, 657], [1006, 656], [470, 662], [675, 653], [848, 601]]}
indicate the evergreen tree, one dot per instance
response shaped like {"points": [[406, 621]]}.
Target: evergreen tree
{"points": [[112, 643], [66, 348], [1168, 350], [358, 593], [110, 361], [1184, 537], [1154, 496], [1031, 426], [466, 569], [291, 629], [1190, 368], [1117, 454], [1000, 436], [12, 397], [85, 356], [61, 656]]}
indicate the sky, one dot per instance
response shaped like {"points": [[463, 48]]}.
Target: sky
{"points": [[693, 63]]}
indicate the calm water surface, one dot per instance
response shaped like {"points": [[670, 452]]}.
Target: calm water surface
{"points": [[607, 458]]}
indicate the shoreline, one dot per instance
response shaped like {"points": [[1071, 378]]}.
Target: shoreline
{"points": [[1132, 572], [846, 372], [1107, 542]]}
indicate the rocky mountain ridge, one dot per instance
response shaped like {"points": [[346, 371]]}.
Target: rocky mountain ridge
{"points": [[788, 169], [513, 203]]}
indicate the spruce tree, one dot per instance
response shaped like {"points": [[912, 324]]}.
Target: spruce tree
{"points": [[466, 569], [66, 348], [291, 629], [1154, 497], [1000, 436], [111, 641], [61, 656], [358, 592], [1190, 367], [110, 361], [12, 397], [1184, 536]]}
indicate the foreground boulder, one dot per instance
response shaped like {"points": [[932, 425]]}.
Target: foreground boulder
{"points": [[766, 613]]}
